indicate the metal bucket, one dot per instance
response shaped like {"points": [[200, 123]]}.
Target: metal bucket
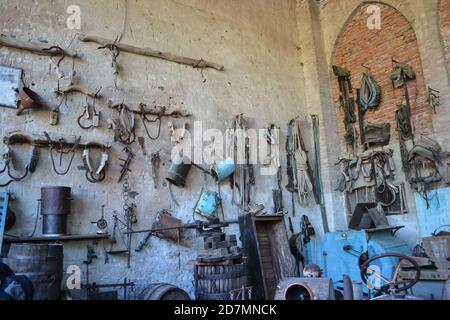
{"points": [[207, 204], [221, 171], [55, 206], [216, 282], [179, 171], [163, 291], [42, 264]]}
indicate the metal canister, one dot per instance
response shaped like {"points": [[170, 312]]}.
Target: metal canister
{"points": [[207, 204], [55, 207], [223, 170], [179, 171]]}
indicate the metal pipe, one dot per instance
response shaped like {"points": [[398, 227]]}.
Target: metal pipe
{"points": [[187, 226]]}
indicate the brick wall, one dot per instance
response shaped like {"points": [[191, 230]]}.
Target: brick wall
{"points": [[358, 46], [444, 17]]}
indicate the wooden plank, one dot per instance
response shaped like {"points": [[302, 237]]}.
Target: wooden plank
{"points": [[252, 251], [38, 48], [196, 63], [431, 275]]}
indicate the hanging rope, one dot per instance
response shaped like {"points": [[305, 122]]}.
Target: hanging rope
{"points": [[304, 184]]}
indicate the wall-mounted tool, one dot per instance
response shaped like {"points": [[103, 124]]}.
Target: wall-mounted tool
{"points": [[126, 164], [61, 150], [401, 74], [8, 164], [94, 294], [54, 117], [124, 127], [177, 133], [244, 177], [114, 52], [29, 100], [434, 99], [157, 120], [347, 104], [307, 229], [123, 228], [141, 141], [156, 162], [90, 256], [99, 174], [90, 117], [170, 110], [102, 224]]}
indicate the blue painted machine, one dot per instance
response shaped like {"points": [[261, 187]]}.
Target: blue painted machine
{"points": [[344, 252]]}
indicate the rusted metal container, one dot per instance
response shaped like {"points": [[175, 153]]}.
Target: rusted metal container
{"points": [[216, 282], [163, 291], [55, 207], [166, 221], [42, 264], [302, 289], [28, 100], [179, 171]]}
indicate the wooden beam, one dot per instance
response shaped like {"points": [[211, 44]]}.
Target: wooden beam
{"points": [[38, 48], [77, 88], [10, 239], [170, 111], [195, 63], [18, 139]]}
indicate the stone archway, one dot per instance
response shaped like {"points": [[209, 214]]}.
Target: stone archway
{"points": [[358, 47]]}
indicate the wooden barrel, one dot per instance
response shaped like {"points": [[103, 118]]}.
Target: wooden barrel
{"points": [[215, 282], [163, 291], [42, 263]]}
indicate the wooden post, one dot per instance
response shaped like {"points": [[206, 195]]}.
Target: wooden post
{"points": [[47, 50]]}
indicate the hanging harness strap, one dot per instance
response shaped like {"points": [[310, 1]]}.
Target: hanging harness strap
{"points": [[370, 93]]}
